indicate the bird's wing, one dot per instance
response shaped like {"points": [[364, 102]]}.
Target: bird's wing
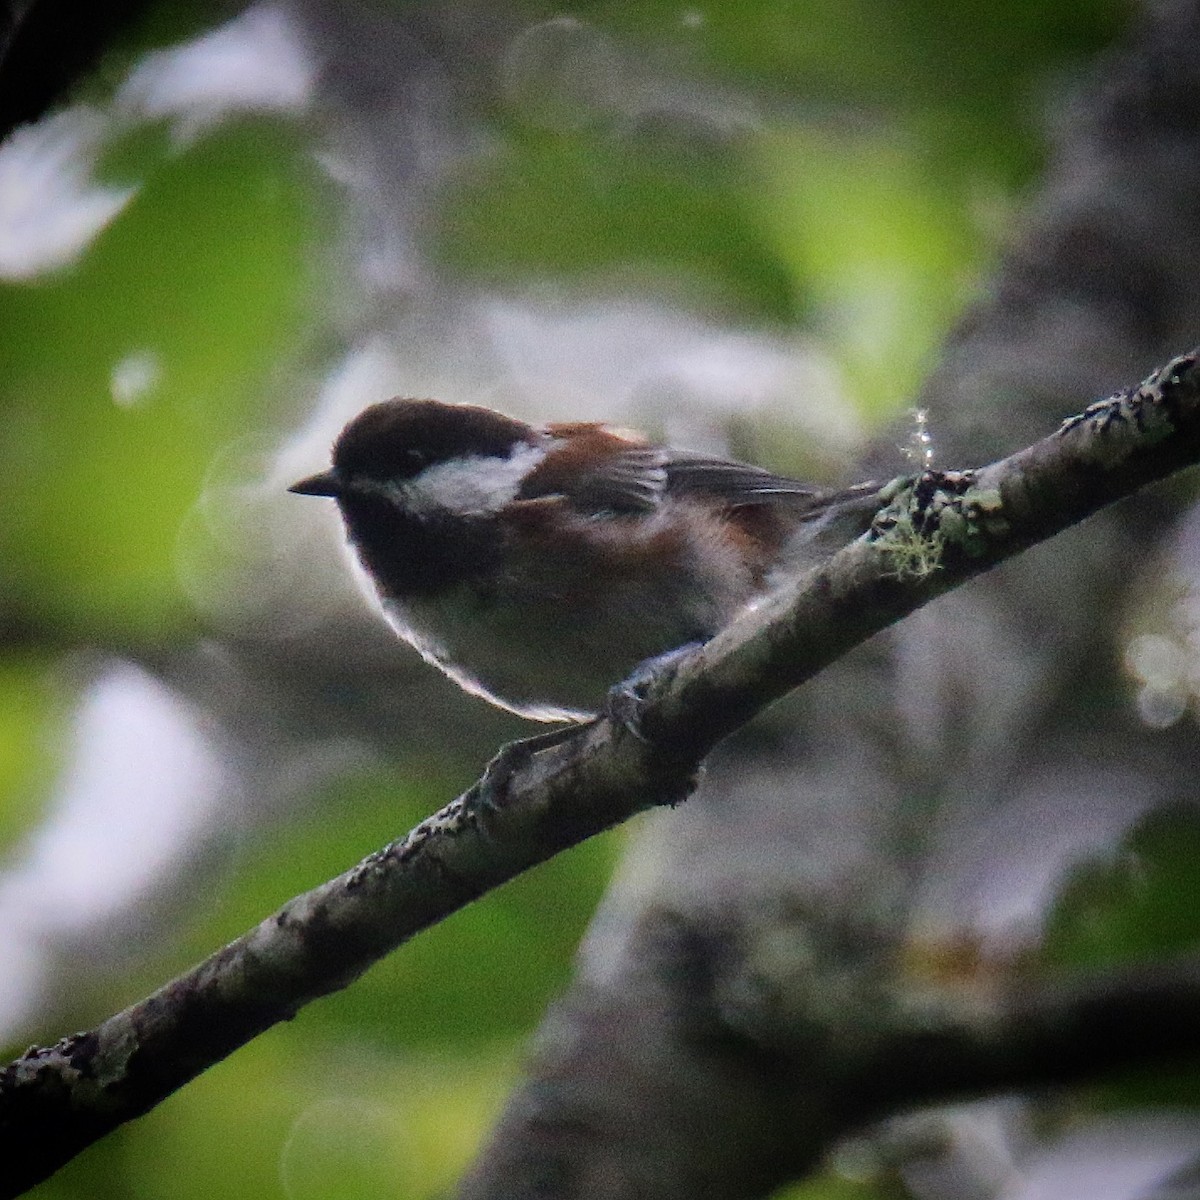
{"points": [[733, 484], [598, 471]]}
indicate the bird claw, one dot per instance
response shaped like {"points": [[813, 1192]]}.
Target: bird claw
{"points": [[513, 757], [625, 704]]}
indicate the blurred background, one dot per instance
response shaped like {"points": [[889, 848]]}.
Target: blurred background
{"points": [[744, 227]]}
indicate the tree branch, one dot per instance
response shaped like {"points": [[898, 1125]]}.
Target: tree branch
{"points": [[935, 532], [1049, 1034]]}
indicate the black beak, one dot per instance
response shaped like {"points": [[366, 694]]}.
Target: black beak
{"points": [[326, 483]]}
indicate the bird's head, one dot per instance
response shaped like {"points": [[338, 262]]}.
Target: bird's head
{"points": [[424, 456]]}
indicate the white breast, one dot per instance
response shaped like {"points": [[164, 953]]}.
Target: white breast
{"points": [[465, 635]]}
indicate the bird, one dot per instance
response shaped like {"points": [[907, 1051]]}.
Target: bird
{"points": [[538, 566]]}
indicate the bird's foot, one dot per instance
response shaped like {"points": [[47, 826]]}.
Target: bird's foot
{"points": [[515, 756], [625, 704]]}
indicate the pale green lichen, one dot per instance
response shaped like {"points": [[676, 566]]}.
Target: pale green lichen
{"points": [[987, 500], [932, 513], [912, 553]]}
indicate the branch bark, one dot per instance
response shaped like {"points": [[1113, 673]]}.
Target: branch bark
{"points": [[1047, 1034], [934, 533]]}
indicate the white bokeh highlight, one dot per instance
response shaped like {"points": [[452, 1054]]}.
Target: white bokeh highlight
{"points": [[257, 62], [51, 207], [143, 780]]}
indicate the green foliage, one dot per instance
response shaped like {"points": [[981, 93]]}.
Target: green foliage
{"points": [[866, 202], [298, 1118], [614, 205], [31, 717], [888, 253], [829, 1186], [351, 1098], [923, 55], [1140, 904], [200, 283]]}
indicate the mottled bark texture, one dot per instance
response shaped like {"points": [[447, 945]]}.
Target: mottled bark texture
{"points": [[849, 852]]}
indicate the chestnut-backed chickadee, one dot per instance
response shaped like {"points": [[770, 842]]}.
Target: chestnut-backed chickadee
{"points": [[537, 566]]}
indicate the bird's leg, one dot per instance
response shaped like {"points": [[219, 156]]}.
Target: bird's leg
{"points": [[623, 706]]}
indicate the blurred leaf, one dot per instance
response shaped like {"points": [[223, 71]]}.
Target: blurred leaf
{"points": [[830, 1186], [122, 377], [31, 719], [351, 1097], [295, 1119], [1141, 904], [574, 204], [875, 229], [922, 54], [885, 254]]}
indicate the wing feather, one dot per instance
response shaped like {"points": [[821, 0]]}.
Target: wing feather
{"points": [[733, 483], [598, 471]]}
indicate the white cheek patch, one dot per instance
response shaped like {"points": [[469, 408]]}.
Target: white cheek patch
{"points": [[478, 484]]}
